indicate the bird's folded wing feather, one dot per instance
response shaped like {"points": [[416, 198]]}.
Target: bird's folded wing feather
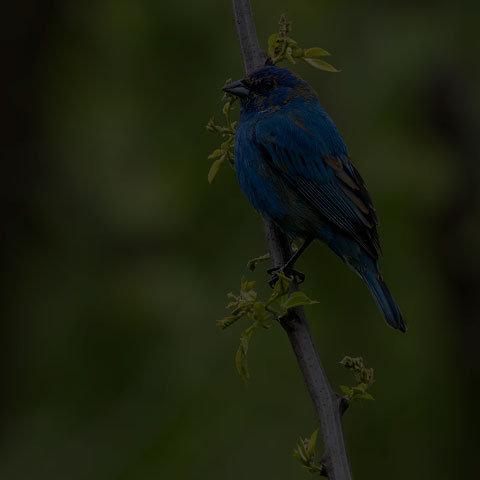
{"points": [[317, 166]]}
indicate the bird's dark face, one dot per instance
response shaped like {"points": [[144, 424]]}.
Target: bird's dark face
{"points": [[269, 88]]}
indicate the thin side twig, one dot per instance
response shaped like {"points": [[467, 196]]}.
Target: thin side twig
{"points": [[327, 405]]}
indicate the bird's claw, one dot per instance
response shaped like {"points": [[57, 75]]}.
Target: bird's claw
{"points": [[299, 277]]}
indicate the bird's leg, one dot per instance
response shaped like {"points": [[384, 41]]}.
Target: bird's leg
{"points": [[288, 267]]}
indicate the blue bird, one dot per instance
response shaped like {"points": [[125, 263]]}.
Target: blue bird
{"points": [[294, 168]]}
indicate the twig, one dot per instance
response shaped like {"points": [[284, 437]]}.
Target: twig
{"points": [[295, 323]]}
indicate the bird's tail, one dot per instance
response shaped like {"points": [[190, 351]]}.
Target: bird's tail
{"points": [[383, 298]]}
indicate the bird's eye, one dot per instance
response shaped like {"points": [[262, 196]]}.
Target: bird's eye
{"points": [[267, 84]]}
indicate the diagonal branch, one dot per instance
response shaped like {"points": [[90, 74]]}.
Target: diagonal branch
{"points": [[295, 323]]}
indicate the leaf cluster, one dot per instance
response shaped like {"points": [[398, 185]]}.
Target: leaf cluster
{"points": [[225, 152], [260, 313], [363, 378], [305, 454], [282, 47], [305, 451]]}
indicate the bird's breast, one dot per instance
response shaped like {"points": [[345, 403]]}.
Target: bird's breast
{"points": [[256, 179], [268, 191]]}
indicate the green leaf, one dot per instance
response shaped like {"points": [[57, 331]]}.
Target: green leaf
{"points": [[217, 153], [361, 387], [226, 144], [272, 44], [214, 169], [227, 321], [298, 53], [315, 52], [311, 444], [297, 299], [345, 389], [282, 286], [246, 285], [302, 451], [365, 396], [272, 40], [260, 312], [321, 65], [241, 356]]}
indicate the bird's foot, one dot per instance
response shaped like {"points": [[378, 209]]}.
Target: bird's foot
{"points": [[299, 277]]}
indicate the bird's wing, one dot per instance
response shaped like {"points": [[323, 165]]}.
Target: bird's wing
{"points": [[318, 167]]}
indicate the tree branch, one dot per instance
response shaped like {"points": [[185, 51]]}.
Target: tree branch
{"points": [[295, 323]]}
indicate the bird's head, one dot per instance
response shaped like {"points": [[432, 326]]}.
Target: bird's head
{"points": [[270, 88]]}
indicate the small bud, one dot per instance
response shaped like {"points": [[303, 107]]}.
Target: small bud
{"points": [[211, 127]]}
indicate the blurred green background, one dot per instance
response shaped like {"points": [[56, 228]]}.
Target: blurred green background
{"points": [[117, 254]]}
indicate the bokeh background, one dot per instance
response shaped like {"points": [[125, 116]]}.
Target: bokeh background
{"points": [[117, 254]]}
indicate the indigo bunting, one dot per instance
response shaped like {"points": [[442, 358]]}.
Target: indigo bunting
{"points": [[294, 168]]}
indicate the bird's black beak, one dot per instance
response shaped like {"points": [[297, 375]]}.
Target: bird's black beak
{"points": [[237, 88]]}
